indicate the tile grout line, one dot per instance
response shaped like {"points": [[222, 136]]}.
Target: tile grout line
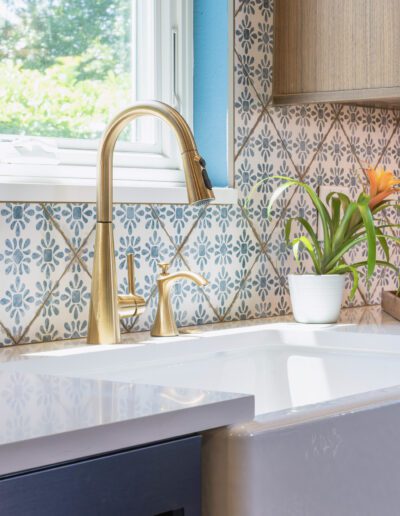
{"points": [[58, 227], [335, 119], [262, 111], [239, 8], [263, 103], [251, 132], [386, 146], [178, 254], [182, 257], [282, 142], [9, 334], [56, 285], [251, 224], [242, 282]]}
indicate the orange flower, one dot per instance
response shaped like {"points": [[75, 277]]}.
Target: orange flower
{"points": [[382, 183]]}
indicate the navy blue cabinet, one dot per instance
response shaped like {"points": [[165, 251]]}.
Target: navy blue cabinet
{"points": [[157, 480]]}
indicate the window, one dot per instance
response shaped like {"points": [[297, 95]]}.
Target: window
{"points": [[67, 66]]}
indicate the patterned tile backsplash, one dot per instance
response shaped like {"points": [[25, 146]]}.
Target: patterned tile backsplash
{"points": [[46, 250]]}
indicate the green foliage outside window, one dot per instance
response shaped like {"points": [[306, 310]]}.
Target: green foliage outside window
{"points": [[64, 65]]}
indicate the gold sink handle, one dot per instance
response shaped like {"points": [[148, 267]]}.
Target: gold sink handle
{"points": [[131, 305], [164, 323]]}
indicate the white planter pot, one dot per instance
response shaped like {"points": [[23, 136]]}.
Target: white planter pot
{"points": [[316, 299]]}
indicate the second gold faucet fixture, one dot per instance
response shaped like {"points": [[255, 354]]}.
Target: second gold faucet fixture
{"points": [[164, 323]]}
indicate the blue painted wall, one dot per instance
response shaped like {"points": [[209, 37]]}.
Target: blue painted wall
{"points": [[210, 112]]}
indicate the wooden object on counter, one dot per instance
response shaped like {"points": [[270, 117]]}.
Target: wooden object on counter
{"points": [[391, 304]]}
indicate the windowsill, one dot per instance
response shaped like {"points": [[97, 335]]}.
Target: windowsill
{"points": [[84, 190]]}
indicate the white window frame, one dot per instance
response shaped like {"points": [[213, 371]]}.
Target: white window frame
{"points": [[64, 170]]}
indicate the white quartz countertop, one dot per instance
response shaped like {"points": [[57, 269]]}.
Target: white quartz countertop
{"points": [[61, 401], [50, 419]]}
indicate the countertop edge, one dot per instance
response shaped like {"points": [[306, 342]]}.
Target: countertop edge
{"points": [[55, 449]]}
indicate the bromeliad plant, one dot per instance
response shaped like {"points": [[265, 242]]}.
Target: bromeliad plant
{"points": [[345, 224]]}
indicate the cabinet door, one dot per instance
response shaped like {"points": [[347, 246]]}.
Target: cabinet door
{"points": [[161, 479], [336, 50]]}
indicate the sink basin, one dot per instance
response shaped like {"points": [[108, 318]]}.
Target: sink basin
{"points": [[285, 366]]}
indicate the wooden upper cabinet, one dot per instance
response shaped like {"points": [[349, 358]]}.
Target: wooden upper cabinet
{"points": [[337, 51]]}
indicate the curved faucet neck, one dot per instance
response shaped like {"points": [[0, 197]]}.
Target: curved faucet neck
{"points": [[168, 279], [105, 168]]}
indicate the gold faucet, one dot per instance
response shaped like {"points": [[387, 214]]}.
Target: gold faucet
{"points": [[164, 323], [106, 307]]}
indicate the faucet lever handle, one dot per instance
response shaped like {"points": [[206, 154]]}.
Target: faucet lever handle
{"points": [[164, 267], [131, 305], [131, 273]]}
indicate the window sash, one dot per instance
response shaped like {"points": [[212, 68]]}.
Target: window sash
{"points": [[163, 24]]}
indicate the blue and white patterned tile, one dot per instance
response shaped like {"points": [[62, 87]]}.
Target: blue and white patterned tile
{"points": [[220, 248], [266, 295], [5, 338], [390, 159], [248, 106], [335, 165], [44, 329], [189, 301], [145, 321], [268, 158], [148, 243], [65, 315], [177, 220], [86, 252], [254, 41], [33, 252], [303, 129], [277, 249], [74, 220], [282, 255], [369, 130]]}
